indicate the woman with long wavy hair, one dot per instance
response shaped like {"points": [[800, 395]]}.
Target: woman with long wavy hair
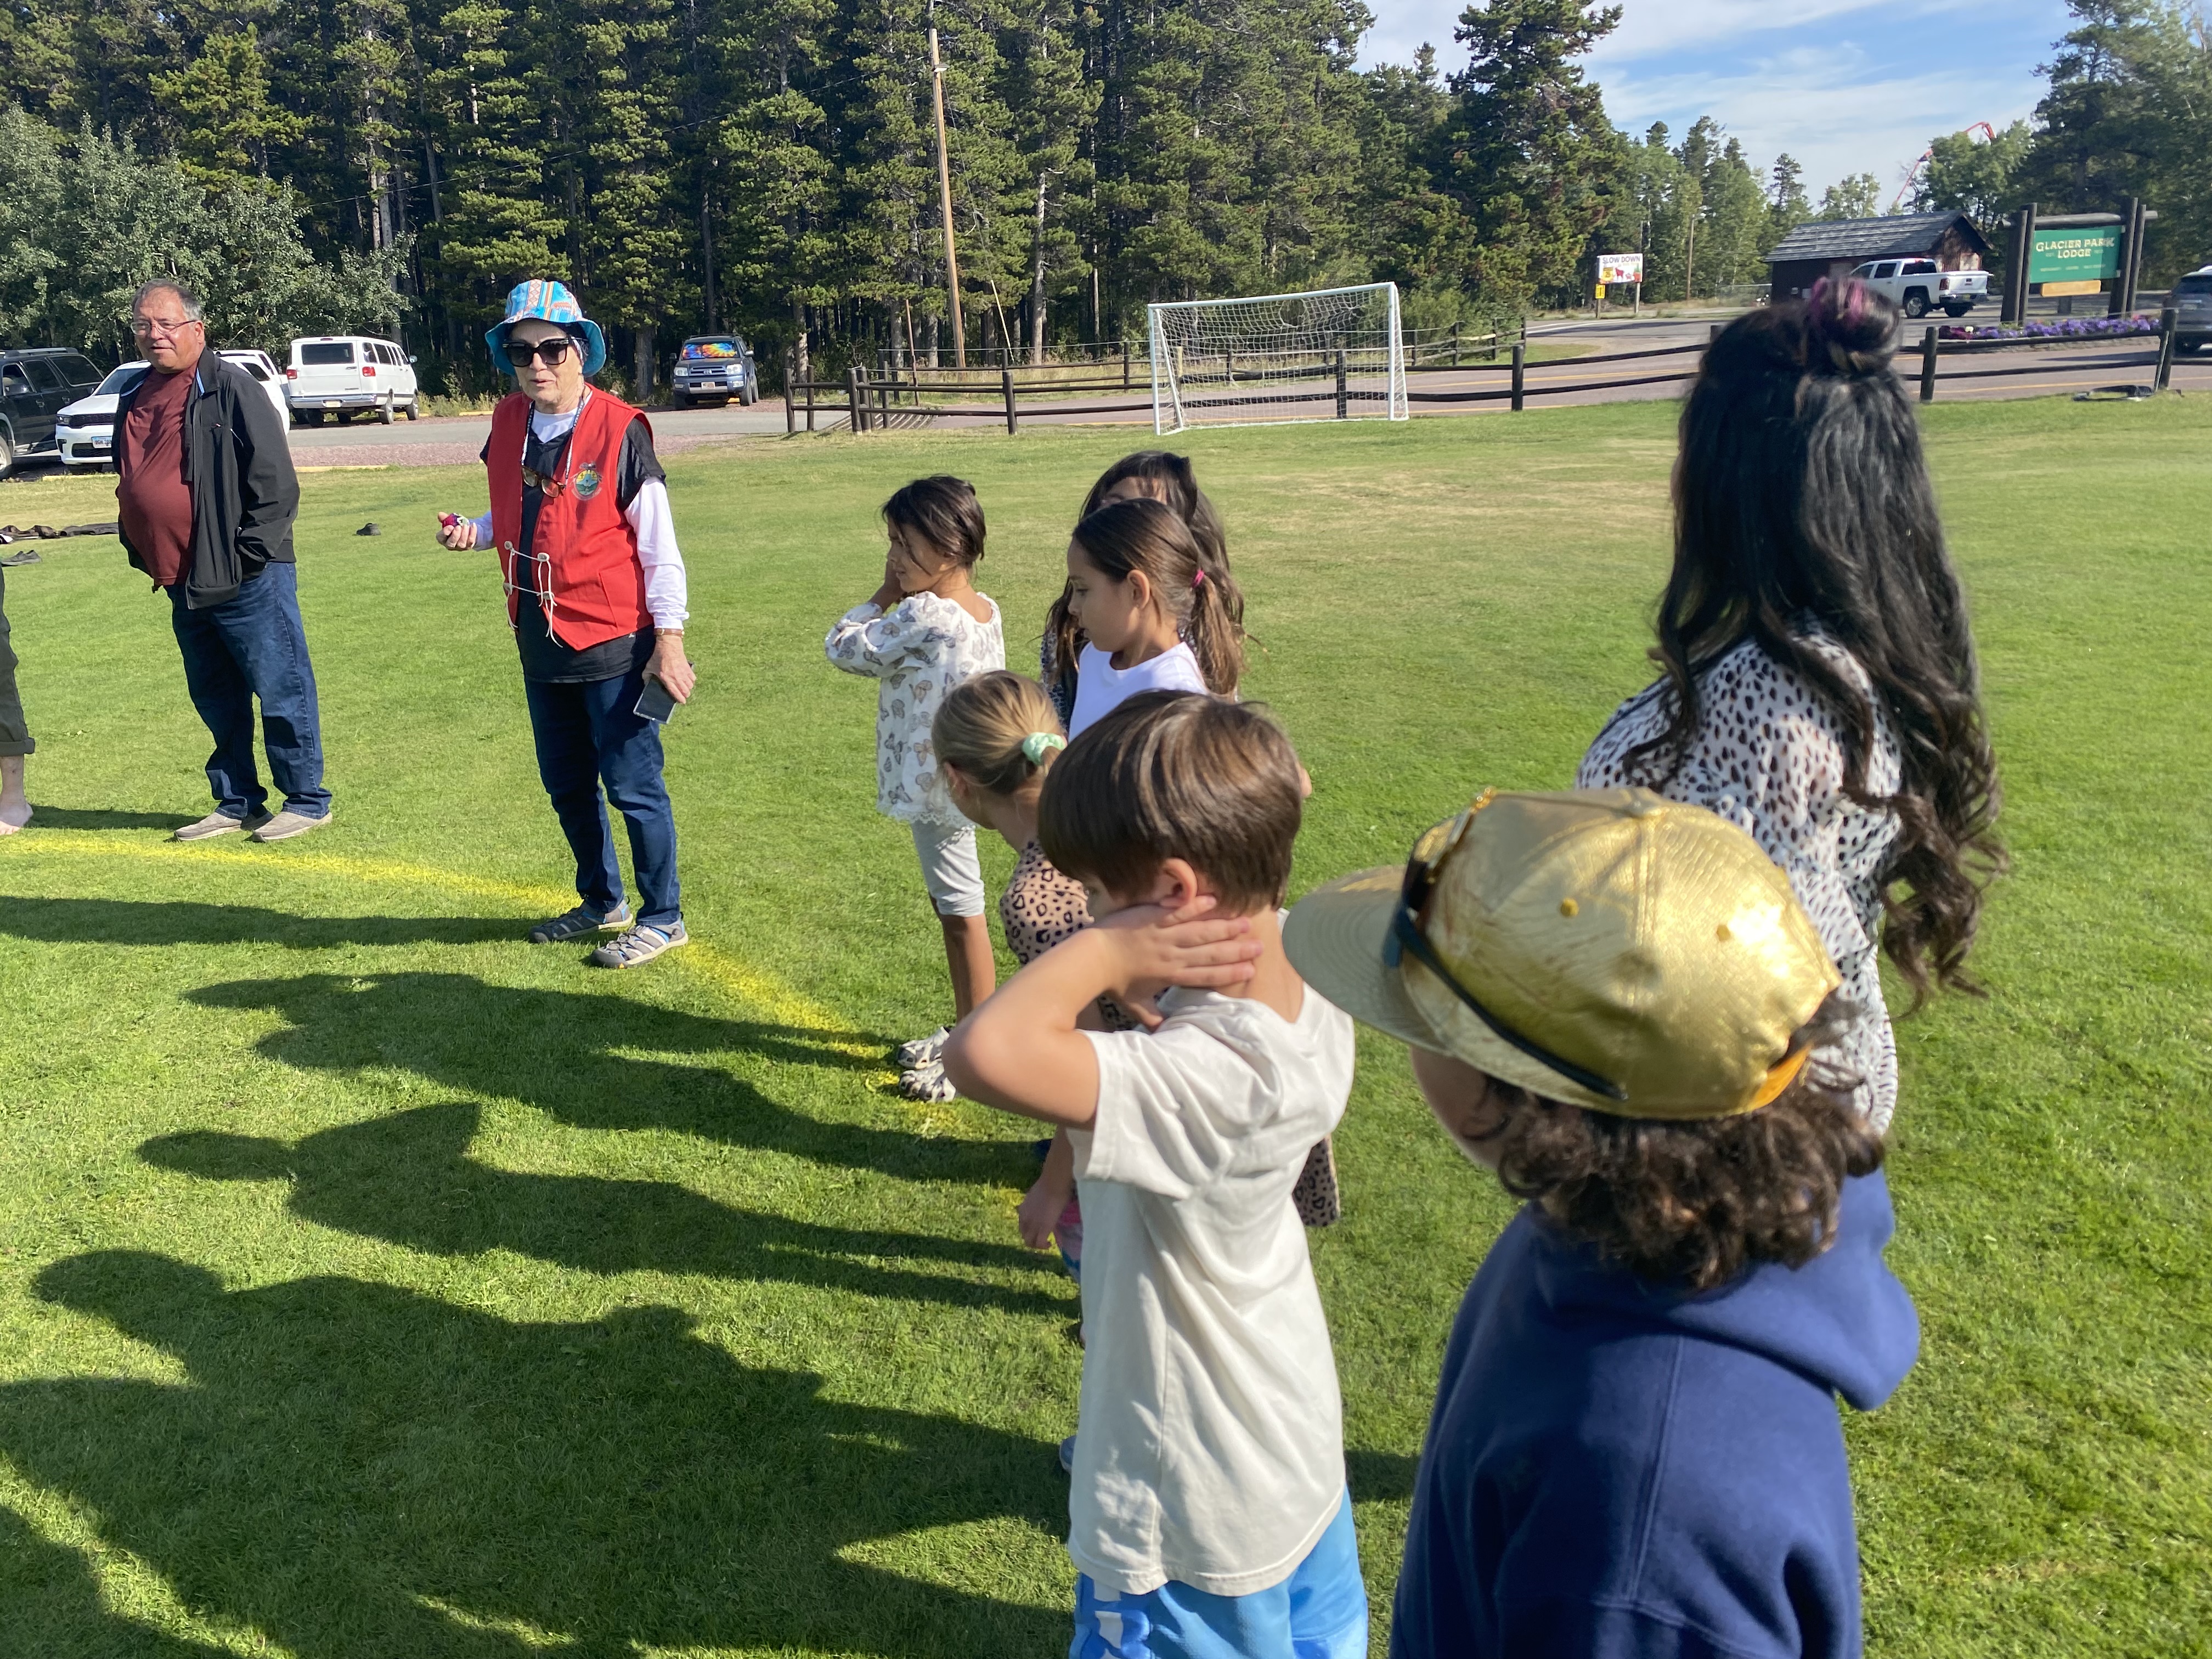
{"points": [[1818, 685]]}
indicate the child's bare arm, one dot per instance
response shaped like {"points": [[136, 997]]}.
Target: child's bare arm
{"points": [[1022, 1052]]}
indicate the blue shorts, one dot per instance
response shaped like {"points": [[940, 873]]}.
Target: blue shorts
{"points": [[1319, 1612]]}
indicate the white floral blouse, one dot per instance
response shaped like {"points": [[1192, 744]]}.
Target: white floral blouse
{"points": [[1769, 757], [921, 648]]}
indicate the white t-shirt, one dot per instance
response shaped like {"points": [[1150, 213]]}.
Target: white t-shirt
{"points": [[1210, 1444], [1101, 687]]}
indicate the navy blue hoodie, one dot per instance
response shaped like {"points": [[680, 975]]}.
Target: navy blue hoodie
{"points": [[1616, 1468]]}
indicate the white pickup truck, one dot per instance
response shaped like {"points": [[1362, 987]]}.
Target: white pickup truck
{"points": [[1918, 286]]}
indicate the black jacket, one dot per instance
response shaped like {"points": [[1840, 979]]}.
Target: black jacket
{"points": [[238, 463]]}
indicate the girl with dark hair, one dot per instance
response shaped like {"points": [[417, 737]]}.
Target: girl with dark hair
{"points": [[1819, 683], [925, 630], [1156, 617], [1148, 475]]}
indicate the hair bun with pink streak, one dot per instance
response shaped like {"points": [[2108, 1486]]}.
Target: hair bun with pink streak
{"points": [[1849, 329]]}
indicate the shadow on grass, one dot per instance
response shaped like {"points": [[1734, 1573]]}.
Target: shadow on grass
{"points": [[1377, 1477], [355, 1469], [184, 922], [50, 1606], [407, 1178], [102, 817], [556, 1050]]}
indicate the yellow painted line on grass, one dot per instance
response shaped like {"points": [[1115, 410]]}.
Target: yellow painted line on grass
{"points": [[756, 989], [131, 1590]]}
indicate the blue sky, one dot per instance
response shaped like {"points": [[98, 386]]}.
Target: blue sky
{"points": [[1845, 86]]}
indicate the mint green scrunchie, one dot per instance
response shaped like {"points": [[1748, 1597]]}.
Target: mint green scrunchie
{"points": [[1038, 744]]}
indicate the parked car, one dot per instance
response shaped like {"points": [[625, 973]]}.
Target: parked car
{"points": [[2192, 309], [1918, 286], [86, 429], [35, 384], [713, 368], [350, 375]]}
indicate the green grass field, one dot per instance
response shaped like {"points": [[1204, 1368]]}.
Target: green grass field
{"points": [[374, 1285]]}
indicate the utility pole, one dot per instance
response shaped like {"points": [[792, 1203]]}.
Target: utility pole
{"points": [[944, 201]]}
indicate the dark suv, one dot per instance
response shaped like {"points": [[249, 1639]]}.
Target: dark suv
{"points": [[35, 383], [714, 368]]}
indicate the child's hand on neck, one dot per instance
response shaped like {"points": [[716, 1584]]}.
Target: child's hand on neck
{"points": [[1178, 894]]}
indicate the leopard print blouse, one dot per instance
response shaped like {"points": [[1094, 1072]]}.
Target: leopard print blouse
{"points": [[1769, 758]]}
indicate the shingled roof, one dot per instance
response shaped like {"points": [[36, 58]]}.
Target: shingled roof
{"points": [[1891, 236]]}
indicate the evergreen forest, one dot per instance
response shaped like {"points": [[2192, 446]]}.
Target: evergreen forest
{"points": [[770, 166]]}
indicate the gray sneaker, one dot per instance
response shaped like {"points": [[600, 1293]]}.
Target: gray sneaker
{"points": [[289, 824], [924, 1051], [218, 823], [639, 946], [583, 919], [927, 1083]]}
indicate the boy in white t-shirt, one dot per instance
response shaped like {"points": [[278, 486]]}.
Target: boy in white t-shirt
{"points": [[1208, 1513]]}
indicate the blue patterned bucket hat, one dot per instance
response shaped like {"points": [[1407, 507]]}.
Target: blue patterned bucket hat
{"points": [[546, 301]]}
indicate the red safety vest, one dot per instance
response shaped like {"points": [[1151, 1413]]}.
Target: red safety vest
{"points": [[583, 563]]}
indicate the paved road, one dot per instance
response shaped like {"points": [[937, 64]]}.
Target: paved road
{"points": [[457, 440]]}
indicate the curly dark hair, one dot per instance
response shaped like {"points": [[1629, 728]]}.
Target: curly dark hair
{"points": [[1802, 503], [1692, 1204]]}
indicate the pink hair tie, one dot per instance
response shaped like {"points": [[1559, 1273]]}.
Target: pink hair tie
{"points": [[1198, 581]]}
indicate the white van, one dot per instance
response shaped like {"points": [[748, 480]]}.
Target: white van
{"points": [[350, 375]]}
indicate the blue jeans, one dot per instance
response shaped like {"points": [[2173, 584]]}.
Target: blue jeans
{"points": [[1319, 1612], [254, 645], [589, 734]]}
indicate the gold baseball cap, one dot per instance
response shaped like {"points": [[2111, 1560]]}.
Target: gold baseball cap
{"points": [[1606, 947]]}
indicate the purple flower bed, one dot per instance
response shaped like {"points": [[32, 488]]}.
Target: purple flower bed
{"points": [[2063, 328]]}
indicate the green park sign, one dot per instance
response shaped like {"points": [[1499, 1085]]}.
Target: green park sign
{"points": [[2076, 254]]}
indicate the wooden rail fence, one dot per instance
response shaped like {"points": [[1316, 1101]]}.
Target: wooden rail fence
{"points": [[880, 402]]}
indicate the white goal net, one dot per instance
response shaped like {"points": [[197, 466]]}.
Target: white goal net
{"points": [[1332, 355]]}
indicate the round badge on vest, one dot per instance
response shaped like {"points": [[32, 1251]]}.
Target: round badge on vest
{"points": [[586, 483]]}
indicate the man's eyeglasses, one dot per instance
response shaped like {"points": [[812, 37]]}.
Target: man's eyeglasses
{"points": [[548, 352], [1406, 939], [144, 326]]}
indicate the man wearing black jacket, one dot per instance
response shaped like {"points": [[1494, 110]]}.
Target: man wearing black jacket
{"points": [[207, 498]]}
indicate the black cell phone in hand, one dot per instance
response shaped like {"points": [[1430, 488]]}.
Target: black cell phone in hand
{"points": [[655, 703]]}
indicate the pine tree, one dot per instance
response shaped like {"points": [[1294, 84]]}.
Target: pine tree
{"points": [[226, 123], [776, 148], [1528, 153], [629, 236], [1787, 204], [487, 169]]}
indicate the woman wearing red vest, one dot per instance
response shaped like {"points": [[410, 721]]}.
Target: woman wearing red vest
{"points": [[595, 592]]}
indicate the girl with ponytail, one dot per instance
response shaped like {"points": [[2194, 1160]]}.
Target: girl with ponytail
{"points": [[996, 737], [1148, 475], [1158, 615], [1818, 681]]}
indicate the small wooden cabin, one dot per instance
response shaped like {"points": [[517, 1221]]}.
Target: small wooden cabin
{"points": [[1837, 247]]}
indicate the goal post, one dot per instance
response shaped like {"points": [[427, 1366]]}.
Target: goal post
{"points": [[1336, 353]]}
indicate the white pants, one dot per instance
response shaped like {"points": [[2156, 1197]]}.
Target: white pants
{"points": [[950, 868]]}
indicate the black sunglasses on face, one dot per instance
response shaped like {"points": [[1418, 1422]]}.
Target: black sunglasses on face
{"points": [[1406, 939], [548, 352]]}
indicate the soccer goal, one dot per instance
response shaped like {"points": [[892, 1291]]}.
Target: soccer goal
{"points": [[1332, 355]]}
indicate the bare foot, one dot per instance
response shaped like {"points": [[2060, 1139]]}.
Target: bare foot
{"points": [[14, 815]]}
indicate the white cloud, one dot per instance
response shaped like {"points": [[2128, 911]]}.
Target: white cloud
{"points": [[1809, 103], [1800, 76], [1650, 28]]}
